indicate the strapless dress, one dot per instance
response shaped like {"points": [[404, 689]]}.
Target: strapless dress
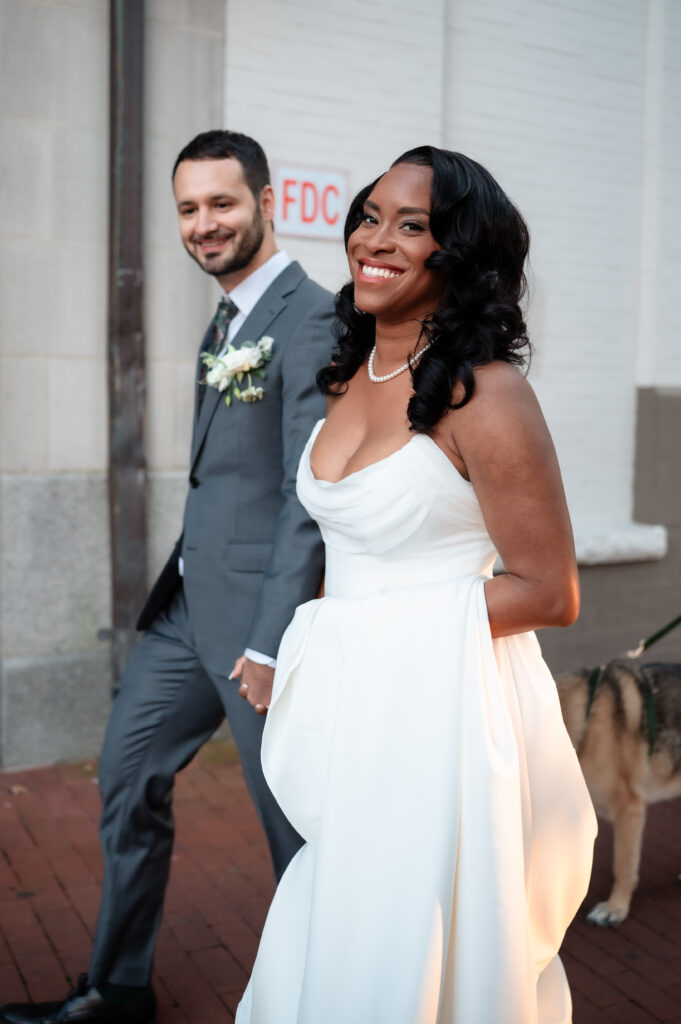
{"points": [[448, 829]]}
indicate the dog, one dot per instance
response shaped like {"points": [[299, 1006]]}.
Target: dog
{"points": [[624, 721]]}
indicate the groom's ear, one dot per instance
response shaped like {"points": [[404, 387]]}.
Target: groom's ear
{"points": [[267, 204]]}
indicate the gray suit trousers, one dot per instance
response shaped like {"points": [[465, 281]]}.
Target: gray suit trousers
{"points": [[167, 707]]}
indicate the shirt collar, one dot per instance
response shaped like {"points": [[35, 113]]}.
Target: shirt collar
{"points": [[246, 294]]}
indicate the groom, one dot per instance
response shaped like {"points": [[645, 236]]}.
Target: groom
{"points": [[247, 556]]}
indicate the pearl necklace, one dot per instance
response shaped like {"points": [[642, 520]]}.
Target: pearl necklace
{"points": [[389, 376]]}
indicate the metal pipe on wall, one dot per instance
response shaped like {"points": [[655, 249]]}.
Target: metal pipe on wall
{"points": [[126, 355]]}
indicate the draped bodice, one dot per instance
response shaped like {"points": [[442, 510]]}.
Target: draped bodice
{"points": [[410, 518]]}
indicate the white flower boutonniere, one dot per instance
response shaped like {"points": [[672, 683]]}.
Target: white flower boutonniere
{"points": [[227, 372]]}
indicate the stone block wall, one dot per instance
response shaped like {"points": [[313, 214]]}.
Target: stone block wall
{"points": [[54, 545], [184, 96], [55, 678]]}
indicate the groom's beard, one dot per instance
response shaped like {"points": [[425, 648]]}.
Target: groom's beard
{"points": [[245, 250]]}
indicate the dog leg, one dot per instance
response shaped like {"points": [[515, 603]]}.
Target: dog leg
{"points": [[627, 836]]}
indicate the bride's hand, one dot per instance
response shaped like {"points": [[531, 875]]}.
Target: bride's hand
{"points": [[256, 682]]}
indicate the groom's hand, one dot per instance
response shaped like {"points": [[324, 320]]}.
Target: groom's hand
{"points": [[256, 684]]}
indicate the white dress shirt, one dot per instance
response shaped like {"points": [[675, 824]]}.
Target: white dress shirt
{"points": [[246, 295]]}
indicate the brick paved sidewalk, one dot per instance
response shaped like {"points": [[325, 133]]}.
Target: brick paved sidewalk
{"points": [[220, 888]]}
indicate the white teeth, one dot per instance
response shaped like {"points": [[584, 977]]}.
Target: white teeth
{"points": [[378, 271]]}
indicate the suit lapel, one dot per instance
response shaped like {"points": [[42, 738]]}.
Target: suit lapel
{"points": [[205, 342], [252, 329]]}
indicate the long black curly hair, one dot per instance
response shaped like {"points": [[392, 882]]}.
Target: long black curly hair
{"points": [[484, 244]]}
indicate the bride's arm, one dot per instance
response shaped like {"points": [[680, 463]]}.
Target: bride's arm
{"points": [[509, 457]]}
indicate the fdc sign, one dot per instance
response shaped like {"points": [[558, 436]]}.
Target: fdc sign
{"points": [[309, 202]]}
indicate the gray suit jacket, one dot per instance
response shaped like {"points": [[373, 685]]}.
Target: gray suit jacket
{"points": [[251, 553]]}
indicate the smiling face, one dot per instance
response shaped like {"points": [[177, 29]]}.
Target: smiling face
{"points": [[387, 252], [222, 225]]}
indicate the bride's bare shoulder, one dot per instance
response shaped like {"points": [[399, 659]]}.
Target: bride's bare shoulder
{"points": [[498, 385], [500, 378], [502, 414]]}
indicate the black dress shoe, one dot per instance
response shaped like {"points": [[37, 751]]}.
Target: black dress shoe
{"points": [[84, 1005]]}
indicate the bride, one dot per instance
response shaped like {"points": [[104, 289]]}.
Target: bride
{"points": [[414, 736]]}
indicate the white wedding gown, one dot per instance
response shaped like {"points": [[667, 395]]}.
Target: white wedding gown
{"points": [[448, 829]]}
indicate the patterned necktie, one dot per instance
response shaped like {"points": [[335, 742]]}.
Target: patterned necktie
{"points": [[226, 312]]}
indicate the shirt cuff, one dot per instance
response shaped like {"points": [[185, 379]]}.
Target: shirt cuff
{"points": [[260, 659]]}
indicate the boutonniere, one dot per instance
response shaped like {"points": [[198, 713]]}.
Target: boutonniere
{"points": [[227, 372]]}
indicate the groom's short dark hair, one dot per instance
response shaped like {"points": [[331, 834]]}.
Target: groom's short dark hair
{"points": [[219, 145]]}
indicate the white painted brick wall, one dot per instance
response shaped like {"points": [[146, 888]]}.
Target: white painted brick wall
{"points": [[551, 96], [346, 85], [659, 355], [668, 336]]}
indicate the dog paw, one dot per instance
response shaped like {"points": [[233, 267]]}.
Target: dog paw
{"points": [[607, 915]]}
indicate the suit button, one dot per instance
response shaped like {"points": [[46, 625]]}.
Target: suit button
{"points": [[193, 481]]}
